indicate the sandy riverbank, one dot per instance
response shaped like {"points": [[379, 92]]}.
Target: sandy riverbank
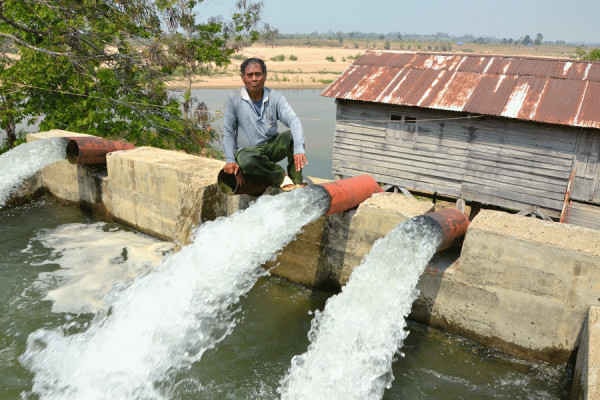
{"points": [[314, 67], [317, 66]]}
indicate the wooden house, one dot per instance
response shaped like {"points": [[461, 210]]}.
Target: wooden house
{"points": [[520, 133]]}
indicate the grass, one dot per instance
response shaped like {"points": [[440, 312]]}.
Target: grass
{"points": [[278, 57]]}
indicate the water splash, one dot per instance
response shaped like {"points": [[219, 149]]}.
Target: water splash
{"points": [[354, 340], [94, 259], [25, 160], [167, 319]]}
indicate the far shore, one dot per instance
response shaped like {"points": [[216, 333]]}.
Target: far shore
{"points": [[315, 67], [288, 67], [233, 82]]}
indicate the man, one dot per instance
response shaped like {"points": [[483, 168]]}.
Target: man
{"points": [[251, 142]]}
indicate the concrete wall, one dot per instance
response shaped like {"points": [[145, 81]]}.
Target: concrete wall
{"points": [[70, 182], [327, 250], [162, 192], [519, 284], [586, 379]]}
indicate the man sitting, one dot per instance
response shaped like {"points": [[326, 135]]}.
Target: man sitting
{"points": [[251, 142]]}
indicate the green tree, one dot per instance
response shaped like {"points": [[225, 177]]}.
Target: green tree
{"points": [[196, 47], [539, 39], [99, 66], [526, 40], [593, 55]]}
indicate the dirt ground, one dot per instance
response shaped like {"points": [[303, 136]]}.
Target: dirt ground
{"points": [[312, 69]]}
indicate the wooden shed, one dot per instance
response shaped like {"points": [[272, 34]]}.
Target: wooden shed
{"points": [[520, 133]]}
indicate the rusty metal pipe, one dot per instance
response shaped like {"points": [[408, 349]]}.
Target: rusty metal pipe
{"points": [[238, 184], [86, 150], [348, 193], [453, 225]]}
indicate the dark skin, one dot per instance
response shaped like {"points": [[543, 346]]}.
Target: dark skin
{"points": [[254, 80]]}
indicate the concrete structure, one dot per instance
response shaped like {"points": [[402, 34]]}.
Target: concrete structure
{"points": [[521, 133], [586, 379], [67, 181], [519, 284], [161, 192]]}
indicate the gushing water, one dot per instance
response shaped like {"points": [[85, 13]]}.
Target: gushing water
{"points": [[25, 160], [356, 337], [164, 321]]}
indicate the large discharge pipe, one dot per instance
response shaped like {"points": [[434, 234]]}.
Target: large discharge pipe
{"points": [[452, 223], [343, 194], [348, 193], [84, 150]]}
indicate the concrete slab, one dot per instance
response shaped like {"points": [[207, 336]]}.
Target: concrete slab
{"points": [[521, 284], [162, 192], [375, 218], [53, 133]]}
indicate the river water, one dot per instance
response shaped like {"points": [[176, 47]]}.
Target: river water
{"points": [[38, 268]]}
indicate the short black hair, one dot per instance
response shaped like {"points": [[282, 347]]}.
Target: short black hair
{"points": [[253, 60]]}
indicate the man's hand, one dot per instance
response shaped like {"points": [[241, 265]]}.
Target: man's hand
{"points": [[300, 161], [231, 168]]}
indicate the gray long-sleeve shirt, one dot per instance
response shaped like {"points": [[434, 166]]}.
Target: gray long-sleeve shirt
{"points": [[244, 126]]}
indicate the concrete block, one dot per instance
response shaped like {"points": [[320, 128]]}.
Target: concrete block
{"points": [[373, 219], [301, 260], [521, 284], [162, 192]]}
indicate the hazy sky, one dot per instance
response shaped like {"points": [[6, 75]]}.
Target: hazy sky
{"points": [[574, 21]]}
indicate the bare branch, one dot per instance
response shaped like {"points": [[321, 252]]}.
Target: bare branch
{"points": [[24, 43]]}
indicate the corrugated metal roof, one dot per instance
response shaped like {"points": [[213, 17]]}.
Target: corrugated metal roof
{"points": [[535, 89]]}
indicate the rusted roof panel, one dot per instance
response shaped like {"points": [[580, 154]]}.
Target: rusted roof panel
{"points": [[594, 72], [404, 84], [560, 101], [537, 89], [457, 92], [490, 96], [588, 116]]}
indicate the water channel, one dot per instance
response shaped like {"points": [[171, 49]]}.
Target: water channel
{"points": [[44, 238], [59, 268]]}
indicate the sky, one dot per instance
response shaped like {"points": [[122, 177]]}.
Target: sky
{"points": [[576, 21]]}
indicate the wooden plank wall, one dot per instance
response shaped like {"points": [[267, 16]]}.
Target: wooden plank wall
{"points": [[583, 214], [512, 164], [587, 179]]}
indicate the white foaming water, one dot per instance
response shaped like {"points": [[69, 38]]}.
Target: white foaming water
{"points": [[355, 338], [25, 160], [94, 260], [168, 318]]}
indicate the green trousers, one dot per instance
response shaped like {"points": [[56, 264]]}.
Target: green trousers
{"points": [[259, 163]]}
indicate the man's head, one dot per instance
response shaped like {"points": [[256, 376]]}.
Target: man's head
{"points": [[254, 74]]}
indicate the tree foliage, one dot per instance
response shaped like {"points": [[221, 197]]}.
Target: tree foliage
{"points": [[99, 66], [592, 55]]}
